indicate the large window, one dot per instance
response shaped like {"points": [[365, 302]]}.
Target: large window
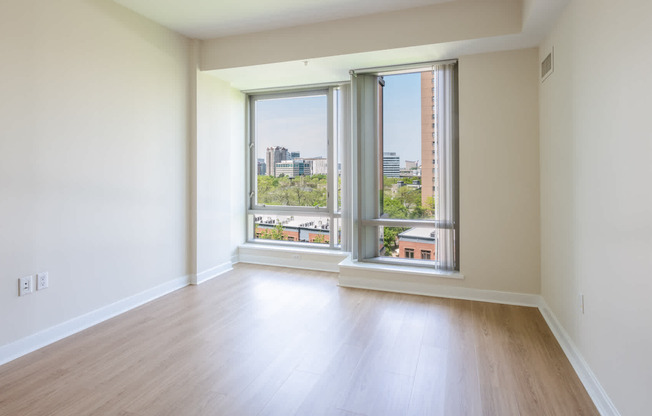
{"points": [[405, 124], [400, 163], [294, 171]]}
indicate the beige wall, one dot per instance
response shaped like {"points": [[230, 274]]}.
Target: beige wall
{"points": [[499, 182], [220, 173], [499, 171], [93, 158], [439, 23], [596, 203]]}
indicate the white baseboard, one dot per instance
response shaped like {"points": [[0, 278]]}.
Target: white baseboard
{"points": [[453, 292], [297, 258], [53, 334], [426, 283], [211, 273], [587, 377]]}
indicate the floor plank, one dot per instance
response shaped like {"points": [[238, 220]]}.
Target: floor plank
{"points": [[273, 341]]}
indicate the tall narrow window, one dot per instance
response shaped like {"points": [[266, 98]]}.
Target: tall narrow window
{"points": [[406, 133], [293, 186]]}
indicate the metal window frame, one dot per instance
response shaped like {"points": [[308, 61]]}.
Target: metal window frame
{"points": [[366, 223], [329, 211]]}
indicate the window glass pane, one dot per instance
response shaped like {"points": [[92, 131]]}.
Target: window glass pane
{"points": [[297, 228], [291, 151], [418, 243], [407, 147]]}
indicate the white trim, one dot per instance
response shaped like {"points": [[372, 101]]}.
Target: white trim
{"points": [[417, 281], [587, 377], [55, 333], [211, 273], [293, 257], [393, 267]]}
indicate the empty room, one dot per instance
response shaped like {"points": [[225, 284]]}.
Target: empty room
{"points": [[333, 207]]}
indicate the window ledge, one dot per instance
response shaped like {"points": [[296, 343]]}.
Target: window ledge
{"points": [[322, 259], [393, 269], [300, 248]]}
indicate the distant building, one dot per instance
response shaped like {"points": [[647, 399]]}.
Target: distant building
{"points": [[429, 156], [318, 165], [262, 167], [274, 155], [302, 229], [417, 243], [411, 164], [292, 168], [415, 185], [407, 173], [295, 155], [391, 165]]}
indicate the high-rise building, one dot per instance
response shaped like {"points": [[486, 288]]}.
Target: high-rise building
{"points": [[318, 165], [292, 168], [428, 139], [261, 168], [273, 156], [295, 155], [391, 165]]}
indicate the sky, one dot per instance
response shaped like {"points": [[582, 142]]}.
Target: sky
{"points": [[299, 123], [402, 116]]}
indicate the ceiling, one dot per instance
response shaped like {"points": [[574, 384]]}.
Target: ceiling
{"points": [[207, 19]]}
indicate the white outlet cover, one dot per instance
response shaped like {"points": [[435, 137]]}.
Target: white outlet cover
{"points": [[42, 281]]}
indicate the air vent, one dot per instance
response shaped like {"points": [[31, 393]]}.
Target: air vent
{"points": [[547, 66]]}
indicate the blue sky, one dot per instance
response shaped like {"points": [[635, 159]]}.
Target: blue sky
{"points": [[402, 116], [299, 124]]}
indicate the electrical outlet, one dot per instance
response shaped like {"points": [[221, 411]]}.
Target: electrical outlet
{"points": [[25, 286], [42, 281], [296, 257]]}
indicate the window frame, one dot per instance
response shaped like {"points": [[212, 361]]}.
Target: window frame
{"points": [[366, 135], [330, 211]]}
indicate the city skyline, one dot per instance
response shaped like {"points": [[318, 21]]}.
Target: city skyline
{"points": [[299, 123]]}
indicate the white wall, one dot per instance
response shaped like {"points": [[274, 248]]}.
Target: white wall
{"points": [[220, 175], [93, 158], [499, 171], [596, 203]]}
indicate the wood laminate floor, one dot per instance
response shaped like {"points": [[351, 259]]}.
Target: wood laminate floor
{"points": [[273, 341]]}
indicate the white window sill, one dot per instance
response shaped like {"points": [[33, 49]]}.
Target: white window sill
{"points": [[414, 271], [303, 257], [325, 259], [290, 247]]}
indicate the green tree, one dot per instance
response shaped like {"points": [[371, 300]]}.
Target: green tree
{"points": [[393, 208], [390, 239], [305, 191], [277, 232]]}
